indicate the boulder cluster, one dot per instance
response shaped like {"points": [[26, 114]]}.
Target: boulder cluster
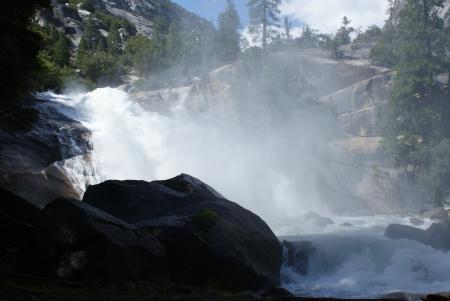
{"points": [[178, 230]]}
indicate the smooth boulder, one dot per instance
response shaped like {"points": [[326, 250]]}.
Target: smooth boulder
{"points": [[437, 235], [18, 218], [79, 242], [209, 240]]}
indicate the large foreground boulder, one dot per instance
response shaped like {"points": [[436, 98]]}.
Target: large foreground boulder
{"points": [[437, 235], [209, 239], [79, 242], [18, 218]]}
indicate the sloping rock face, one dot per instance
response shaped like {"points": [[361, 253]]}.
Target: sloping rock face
{"points": [[140, 13], [36, 164], [208, 238], [355, 91]]}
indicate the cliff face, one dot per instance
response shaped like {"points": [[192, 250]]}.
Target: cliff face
{"points": [[142, 14]]}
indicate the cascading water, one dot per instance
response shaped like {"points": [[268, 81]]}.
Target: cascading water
{"points": [[269, 170]]}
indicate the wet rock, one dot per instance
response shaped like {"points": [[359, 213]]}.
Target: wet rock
{"points": [[18, 218], [297, 255], [436, 236], [208, 238], [31, 162], [79, 242]]}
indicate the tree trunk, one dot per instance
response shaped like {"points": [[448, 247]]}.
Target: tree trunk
{"points": [[264, 37]]}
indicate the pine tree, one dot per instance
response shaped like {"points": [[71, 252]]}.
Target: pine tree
{"points": [[114, 40], [287, 29], [228, 37], [417, 116], [61, 55], [343, 35], [264, 14]]}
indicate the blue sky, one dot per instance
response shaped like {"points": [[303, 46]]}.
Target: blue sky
{"points": [[324, 15], [210, 9]]}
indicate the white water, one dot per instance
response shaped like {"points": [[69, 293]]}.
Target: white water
{"points": [[258, 169], [248, 165]]}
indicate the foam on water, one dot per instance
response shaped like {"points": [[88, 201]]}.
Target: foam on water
{"points": [[350, 265]]}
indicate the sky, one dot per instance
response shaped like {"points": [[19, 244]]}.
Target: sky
{"points": [[324, 15]]}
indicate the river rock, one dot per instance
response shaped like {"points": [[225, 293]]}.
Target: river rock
{"points": [[437, 235], [18, 218], [79, 242], [31, 162], [209, 239]]}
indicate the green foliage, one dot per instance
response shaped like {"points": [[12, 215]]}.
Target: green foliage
{"points": [[264, 14], [308, 39], [372, 34], [228, 37], [436, 177], [384, 53], [205, 219], [141, 52], [100, 68], [61, 54], [416, 119], [343, 35]]}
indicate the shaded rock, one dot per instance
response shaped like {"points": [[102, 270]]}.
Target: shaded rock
{"points": [[359, 50], [396, 231], [79, 242], [437, 235], [31, 163], [209, 239], [357, 105], [297, 255], [18, 218]]}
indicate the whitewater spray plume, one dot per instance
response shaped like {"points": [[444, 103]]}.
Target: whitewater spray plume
{"points": [[263, 166]]}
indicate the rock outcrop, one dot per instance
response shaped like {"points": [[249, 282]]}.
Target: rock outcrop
{"points": [[36, 164], [208, 238], [178, 230], [437, 235], [140, 13]]}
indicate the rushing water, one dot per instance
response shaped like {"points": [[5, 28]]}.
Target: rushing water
{"points": [[352, 258]]}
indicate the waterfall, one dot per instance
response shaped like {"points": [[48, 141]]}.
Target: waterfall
{"points": [[261, 168], [271, 168]]}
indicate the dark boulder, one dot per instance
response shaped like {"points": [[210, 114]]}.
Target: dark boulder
{"points": [[209, 239], [79, 242], [17, 224], [437, 235]]}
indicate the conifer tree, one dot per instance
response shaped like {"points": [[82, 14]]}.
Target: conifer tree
{"points": [[228, 37], [417, 116], [264, 14], [62, 50]]}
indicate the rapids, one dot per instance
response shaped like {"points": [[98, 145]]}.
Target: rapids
{"points": [[266, 171]]}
